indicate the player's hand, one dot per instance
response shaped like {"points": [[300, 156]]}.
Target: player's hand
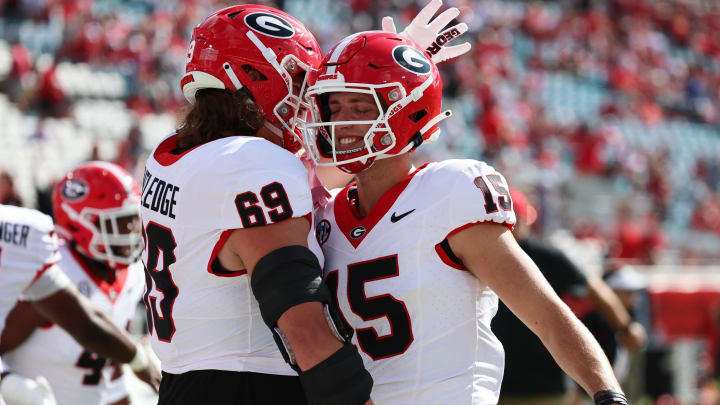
{"points": [[150, 375], [145, 365], [634, 337], [427, 34], [19, 390]]}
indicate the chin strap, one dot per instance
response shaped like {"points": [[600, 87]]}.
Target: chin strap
{"points": [[275, 130], [443, 115], [231, 75], [271, 58]]}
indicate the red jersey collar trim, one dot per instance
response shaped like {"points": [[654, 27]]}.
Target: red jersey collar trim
{"points": [[111, 291], [348, 218], [163, 154]]}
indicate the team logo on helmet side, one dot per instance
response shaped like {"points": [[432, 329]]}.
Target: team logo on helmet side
{"points": [[322, 231], [75, 190], [270, 25], [357, 232], [411, 59]]}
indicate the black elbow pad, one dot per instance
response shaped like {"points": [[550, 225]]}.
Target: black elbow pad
{"points": [[287, 277], [284, 278]]}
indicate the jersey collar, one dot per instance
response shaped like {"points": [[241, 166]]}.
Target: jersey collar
{"points": [[111, 290], [348, 219], [163, 153]]}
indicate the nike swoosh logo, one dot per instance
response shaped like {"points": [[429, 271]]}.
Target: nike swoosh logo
{"points": [[394, 218]]}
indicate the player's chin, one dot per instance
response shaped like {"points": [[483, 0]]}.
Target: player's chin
{"points": [[122, 251]]}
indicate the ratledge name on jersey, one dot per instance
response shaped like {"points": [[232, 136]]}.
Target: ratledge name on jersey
{"points": [[14, 233], [162, 192]]}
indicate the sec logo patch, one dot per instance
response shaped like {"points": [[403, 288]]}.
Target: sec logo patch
{"points": [[322, 231]]}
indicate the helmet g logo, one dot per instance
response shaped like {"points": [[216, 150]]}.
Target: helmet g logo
{"points": [[270, 25], [411, 59], [74, 190]]}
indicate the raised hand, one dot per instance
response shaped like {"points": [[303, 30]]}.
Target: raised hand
{"points": [[427, 33]]}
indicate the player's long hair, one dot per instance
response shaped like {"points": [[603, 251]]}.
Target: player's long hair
{"points": [[218, 114]]}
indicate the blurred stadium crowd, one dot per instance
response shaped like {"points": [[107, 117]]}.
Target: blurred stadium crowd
{"points": [[606, 112], [621, 93]]}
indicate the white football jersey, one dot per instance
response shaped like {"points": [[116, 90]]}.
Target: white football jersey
{"points": [[421, 320], [75, 375], [202, 316], [28, 247]]}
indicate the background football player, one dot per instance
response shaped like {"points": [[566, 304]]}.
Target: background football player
{"points": [[96, 208], [416, 256], [28, 266]]}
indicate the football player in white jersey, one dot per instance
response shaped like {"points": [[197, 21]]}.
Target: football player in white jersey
{"points": [[96, 208], [28, 266], [220, 195], [416, 256], [230, 251]]}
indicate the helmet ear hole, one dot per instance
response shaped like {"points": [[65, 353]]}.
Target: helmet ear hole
{"points": [[254, 74], [417, 116]]}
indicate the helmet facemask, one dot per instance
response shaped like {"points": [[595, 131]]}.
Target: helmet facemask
{"points": [[320, 137], [377, 140], [292, 111], [287, 112], [116, 233]]}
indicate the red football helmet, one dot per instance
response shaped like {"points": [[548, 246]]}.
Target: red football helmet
{"points": [[262, 49], [405, 85], [97, 208]]}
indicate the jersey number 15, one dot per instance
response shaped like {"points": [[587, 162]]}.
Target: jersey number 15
{"points": [[369, 308]]}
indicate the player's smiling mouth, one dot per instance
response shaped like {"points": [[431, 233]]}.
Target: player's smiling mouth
{"points": [[349, 144]]}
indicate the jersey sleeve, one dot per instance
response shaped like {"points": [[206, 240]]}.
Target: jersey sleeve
{"points": [[49, 282], [26, 256], [262, 185], [41, 257], [480, 194], [41, 249]]}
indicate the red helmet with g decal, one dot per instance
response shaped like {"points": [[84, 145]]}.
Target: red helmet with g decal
{"points": [[406, 88], [97, 208], [259, 48]]}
